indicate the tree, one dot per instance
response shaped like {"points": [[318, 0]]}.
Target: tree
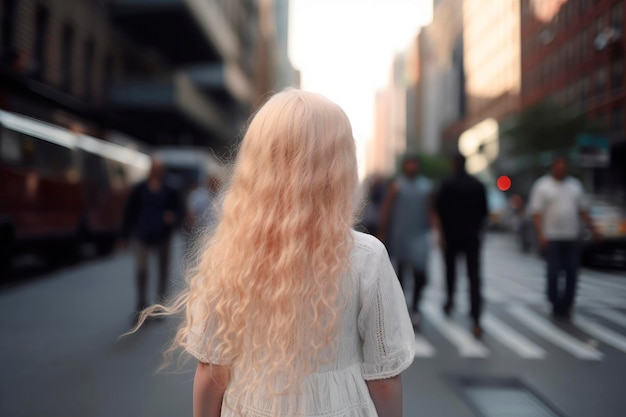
{"points": [[545, 127]]}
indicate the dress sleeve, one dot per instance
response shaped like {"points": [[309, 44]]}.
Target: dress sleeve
{"points": [[202, 343], [384, 324]]}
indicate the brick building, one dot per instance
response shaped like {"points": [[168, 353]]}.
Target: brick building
{"points": [[573, 55]]}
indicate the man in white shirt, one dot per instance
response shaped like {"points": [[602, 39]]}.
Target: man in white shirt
{"points": [[558, 205]]}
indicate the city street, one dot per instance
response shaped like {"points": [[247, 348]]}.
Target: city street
{"points": [[61, 355]]}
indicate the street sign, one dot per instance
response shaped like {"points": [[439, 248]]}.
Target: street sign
{"points": [[593, 150]]}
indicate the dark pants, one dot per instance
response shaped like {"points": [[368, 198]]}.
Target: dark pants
{"points": [[562, 256], [162, 250], [471, 249], [419, 282]]}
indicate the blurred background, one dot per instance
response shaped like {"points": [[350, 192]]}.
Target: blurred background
{"points": [[90, 90]]}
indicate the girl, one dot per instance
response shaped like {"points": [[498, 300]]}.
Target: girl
{"points": [[288, 311]]}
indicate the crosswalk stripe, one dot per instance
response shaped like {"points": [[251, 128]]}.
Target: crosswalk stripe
{"points": [[604, 334], [553, 334], [494, 295], [606, 282], [611, 315], [511, 338], [599, 293], [423, 349], [467, 345]]}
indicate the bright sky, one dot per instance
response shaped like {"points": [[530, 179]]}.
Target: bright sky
{"points": [[344, 49]]}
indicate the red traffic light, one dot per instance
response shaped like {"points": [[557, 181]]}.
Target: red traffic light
{"points": [[504, 183]]}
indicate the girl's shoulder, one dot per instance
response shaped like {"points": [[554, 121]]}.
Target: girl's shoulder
{"points": [[366, 248]]}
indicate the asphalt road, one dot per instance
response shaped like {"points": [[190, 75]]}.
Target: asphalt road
{"points": [[61, 355]]}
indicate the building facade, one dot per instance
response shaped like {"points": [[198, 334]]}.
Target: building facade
{"points": [[574, 56], [442, 80], [286, 74], [491, 60], [390, 121], [181, 73]]}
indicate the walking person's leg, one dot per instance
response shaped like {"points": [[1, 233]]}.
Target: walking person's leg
{"points": [[571, 261], [141, 274], [553, 263], [472, 254], [420, 254], [163, 252], [449, 254], [419, 282]]}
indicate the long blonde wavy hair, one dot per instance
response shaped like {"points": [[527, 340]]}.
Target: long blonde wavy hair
{"points": [[270, 273]]}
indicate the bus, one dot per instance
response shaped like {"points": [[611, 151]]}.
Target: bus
{"points": [[59, 189]]}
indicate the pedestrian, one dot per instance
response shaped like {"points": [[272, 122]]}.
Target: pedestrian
{"points": [[461, 206], [405, 226], [201, 208], [289, 311], [558, 205], [152, 211], [375, 190]]}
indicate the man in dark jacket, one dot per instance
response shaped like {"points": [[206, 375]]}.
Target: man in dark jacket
{"points": [[461, 206], [152, 211]]}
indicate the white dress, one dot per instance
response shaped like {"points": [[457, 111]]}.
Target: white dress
{"points": [[377, 342]]}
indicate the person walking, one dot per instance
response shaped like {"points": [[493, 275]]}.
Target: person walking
{"points": [[461, 206], [405, 226], [558, 205], [152, 211], [201, 208], [289, 311], [375, 195]]}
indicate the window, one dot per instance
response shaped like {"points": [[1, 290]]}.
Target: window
{"points": [[10, 147], [117, 174], [52, 159], [571, 95], [617, 15], [67, 46], [95, 170], [108, 76], [584, 92], [584, 43], [7, 28], [600, 81], [565, 12], [88, 70], [617, 119], [42, 22], [582, 5], [47, 158], [598, 26], [617, 74]]}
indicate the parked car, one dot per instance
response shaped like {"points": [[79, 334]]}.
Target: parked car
{"points": [[610, 251]]}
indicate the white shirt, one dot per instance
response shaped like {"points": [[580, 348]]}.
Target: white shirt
{"points": [[560, 204], [376, 342]]}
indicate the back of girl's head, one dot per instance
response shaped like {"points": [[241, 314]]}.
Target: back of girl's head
{"points": [[298, 152], [270, 275]]}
